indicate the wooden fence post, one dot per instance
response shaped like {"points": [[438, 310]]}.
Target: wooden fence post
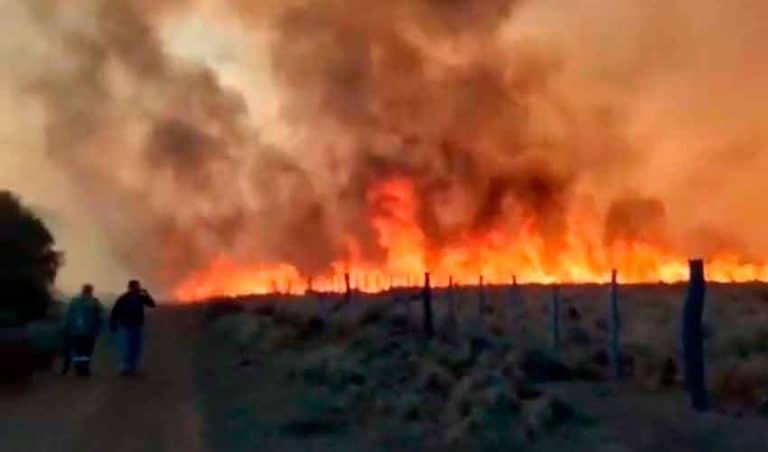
{"points": [[512, 302], [693, 347], [348, 289], [429, 326], [615, 328], [556, 318], [481, 299]]}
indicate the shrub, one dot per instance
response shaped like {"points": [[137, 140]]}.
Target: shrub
{"points": [[579, 336], [28, 263], [742, 383], [542, 366]]}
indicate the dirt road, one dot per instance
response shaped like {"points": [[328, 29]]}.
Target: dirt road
{"points": [[156, 412], [195, 397]]}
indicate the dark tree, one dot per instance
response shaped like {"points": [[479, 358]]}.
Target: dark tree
{"points": [[28, 263]]}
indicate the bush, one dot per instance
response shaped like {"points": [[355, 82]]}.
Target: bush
{"points": [[542, 366], [743, 383], [28, 263], [551, 412], [579, 336]]}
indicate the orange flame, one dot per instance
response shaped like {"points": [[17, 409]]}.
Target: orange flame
{"points": [[495, 256]]}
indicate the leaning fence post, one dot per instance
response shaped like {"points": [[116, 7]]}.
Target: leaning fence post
{"points": [[615, 328], [556, 318], [693, 349], [429, 326]]}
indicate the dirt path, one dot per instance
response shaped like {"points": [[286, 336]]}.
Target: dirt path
{"points": [[157, 412]]}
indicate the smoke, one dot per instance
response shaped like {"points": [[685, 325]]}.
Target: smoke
{"points": [[183, 130]]}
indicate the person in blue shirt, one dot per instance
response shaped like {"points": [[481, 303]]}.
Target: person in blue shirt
{"points": [[82, 326], [127, 320]]}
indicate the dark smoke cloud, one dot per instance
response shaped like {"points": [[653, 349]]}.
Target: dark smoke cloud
{"points": [[155, 137], [433, 79]]}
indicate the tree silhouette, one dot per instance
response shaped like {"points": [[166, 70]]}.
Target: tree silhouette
{"points": [[28, 263]]}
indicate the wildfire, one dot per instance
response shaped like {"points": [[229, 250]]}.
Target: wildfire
{"points": [[495, 256]]}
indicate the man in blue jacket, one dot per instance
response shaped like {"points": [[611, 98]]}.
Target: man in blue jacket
{"points": [[127, 319], [82, 325]]}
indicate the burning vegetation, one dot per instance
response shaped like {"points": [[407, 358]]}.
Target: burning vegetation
{"points": [[494, 256], [302, 140]]}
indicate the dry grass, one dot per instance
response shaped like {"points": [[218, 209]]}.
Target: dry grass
{"points": [[474, 384]]}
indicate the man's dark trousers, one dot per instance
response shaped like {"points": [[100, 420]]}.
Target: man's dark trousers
{"points": [[132, 344]]}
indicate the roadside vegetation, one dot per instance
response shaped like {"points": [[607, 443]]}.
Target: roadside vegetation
{"points": [[494, 380], [29, 263]]}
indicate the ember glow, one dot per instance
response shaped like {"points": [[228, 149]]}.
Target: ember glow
{"points": [[496, 256]]}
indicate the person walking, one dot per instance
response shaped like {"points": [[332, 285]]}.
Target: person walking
{"points": [[127, 320], [82, 326]]}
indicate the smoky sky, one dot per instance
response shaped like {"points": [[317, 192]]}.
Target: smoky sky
{"points": [[500, 111]]}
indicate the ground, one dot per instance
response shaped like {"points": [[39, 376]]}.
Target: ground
{"points": [[157, 412], [204, 391]]}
